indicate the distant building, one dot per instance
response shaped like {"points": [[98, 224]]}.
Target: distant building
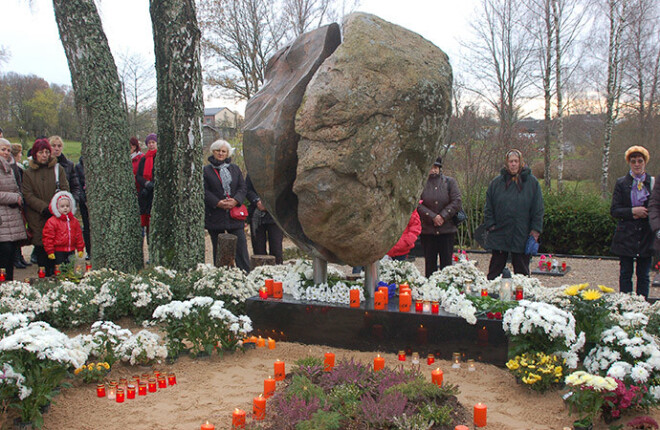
{"points": [[220, 123]]}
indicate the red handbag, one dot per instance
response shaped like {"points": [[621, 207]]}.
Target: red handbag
{"points": [[238, 212]]}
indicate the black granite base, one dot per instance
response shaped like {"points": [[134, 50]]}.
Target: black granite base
{"points": [[366, 329]]}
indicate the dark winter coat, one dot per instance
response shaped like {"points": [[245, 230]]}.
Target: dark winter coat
{"points": [[632, 237], [214, 217], [71, 176], [253, 198], [38, 188], [440, 196], [80, 171], [512, 211], [147, 183]]}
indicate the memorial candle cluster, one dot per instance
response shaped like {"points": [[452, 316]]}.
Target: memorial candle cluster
{"points": [[272, 289], [140, 385]]}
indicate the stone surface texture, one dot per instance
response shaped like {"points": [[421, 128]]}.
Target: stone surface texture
{"points": [[270, 142], [371, 123]]}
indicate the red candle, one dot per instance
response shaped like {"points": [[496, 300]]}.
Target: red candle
{"points": [[430, 359], [461, 428], [42, 273], [355, 298], [549, 264], [404, 302], [130, 391], [271, 343], [563, 266], [386, 292], [238, 419], [263, 293], [422, 334], [484, 292], [379, 300], [435, 307], [268, 283], [379, 363], [277, 290], [120, 395], [279, 370], [171, 379], [208, 426], [162, 383], [142, 388], [88, 266], [261, 342], [100, 390], [145, 377], [156, 373], [57, 271], [419, 306], [152, 385], [269, 387], [480, 415], [519, 293], [402, 356], [329, 362], [259, 408], [437, 376]]}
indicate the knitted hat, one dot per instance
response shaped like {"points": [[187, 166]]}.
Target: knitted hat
{"points": [[151, 136], [40, 144], [438, 162], [637, 150]]}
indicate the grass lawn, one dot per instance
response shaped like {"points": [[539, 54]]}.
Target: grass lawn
{"points": [[71, 148]]}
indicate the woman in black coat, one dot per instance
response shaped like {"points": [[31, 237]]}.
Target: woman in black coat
{"points": [[633, 239], [224, 188]]}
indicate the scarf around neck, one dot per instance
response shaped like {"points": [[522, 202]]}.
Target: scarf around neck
{"points": [[148, 172], [222, 167], [638, 193]]}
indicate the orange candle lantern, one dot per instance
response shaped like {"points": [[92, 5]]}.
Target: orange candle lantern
{"points": [[277, 290], [355, 298], [130, 391], [142, 388], [405, 301], [238, 419], [279, 370], [379, 300], [268, 284], [402, 356], [437, 376], [263, 293], [171, 379], [480, 415], [162, 382], [430, 359], [269, 387], [403, 286], [261, 342], [151, 385], [461, 428], [208, 426], [435, 307], [386, 292], [379, 363], [259, 408], [419, 306], [329, 362], [42, 273], [100, 390], [271, 343], [120, 395]]}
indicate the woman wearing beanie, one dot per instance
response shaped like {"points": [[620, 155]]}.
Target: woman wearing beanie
{"points": [[145, 178], [41, 180], [633, 240], [136, 156]]}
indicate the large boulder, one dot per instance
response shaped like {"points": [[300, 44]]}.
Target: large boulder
{"points": [[270, 141], [371, 123]]}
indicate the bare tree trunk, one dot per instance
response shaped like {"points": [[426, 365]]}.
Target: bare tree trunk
{"points": [[178, 210], [547, 91], [110, 185], [560, 99]]}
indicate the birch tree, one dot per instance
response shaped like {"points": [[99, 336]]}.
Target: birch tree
{"points": [[178, 221], [110, 185], [138, 79]]}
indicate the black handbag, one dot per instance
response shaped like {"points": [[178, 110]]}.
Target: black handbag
{"points": [[459, 218]]}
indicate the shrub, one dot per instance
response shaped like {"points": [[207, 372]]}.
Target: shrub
{"points": [[322, 420]]}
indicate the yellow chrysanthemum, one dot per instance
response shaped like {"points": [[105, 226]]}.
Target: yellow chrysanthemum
{"points": [[583, 286], [512, 365], [106, 365], [591, 295], [532, 378], [571, 291], [605, 289], [77, 371]]}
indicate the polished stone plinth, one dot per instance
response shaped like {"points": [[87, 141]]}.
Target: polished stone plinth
{"points": [[387, 330]]}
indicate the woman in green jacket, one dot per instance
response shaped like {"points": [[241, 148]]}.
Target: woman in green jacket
{"points": [[513, 213]]}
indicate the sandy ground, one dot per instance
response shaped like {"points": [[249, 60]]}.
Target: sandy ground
{"points": [[210, 388]]}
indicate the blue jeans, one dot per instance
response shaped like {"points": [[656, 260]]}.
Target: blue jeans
{"points": [[642, 272]]}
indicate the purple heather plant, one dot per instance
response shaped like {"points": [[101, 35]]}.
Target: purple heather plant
{"points": [[380, 413], [290, 410], [349, 372]]}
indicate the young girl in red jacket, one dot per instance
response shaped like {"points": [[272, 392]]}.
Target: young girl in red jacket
{"points": [[62, 234]]}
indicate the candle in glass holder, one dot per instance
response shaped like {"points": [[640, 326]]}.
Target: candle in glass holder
{"points": [[519, 293], [456, 360], [156, 373], [329, 362], [426, 307], [279, 370], [171, 379], [238, 419], [57, 270], [437, 376], [112, 391], [145, 377], [563, 266], [142, 388], [42, 273], [415, 358], [259, 408], [402, 356], [120, 395], [419, 305], [471, 366], [88, 267], [162, 382], [271, 343], [549, 264], [484, 292], [386, 292], [480, 415], [277, 290], [123, 382], [435, 307], [78, 268], [263, 293], [379, 363], [405, 301], [261, 342], [269, 387], [100, 390], [268, 284], [136, 380], [430, 359], [208, 426], [151, 385], [379, 300], [354, 298]]}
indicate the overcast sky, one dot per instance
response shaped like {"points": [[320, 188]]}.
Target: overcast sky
{"points": [[31, 34]]}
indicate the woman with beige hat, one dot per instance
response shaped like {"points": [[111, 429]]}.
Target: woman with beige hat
{"points": [[633, 239]]}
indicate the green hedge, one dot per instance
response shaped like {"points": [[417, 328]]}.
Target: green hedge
{"points": [[576, 223]]}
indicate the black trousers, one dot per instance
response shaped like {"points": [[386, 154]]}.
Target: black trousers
{"points": [[498, 262], [7, 250], [272, 234], [43, 261], [435, 245], [85, 228], [242, 259]]}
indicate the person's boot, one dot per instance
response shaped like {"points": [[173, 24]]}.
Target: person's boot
{"points": [[33, 258], [17, 259]]}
